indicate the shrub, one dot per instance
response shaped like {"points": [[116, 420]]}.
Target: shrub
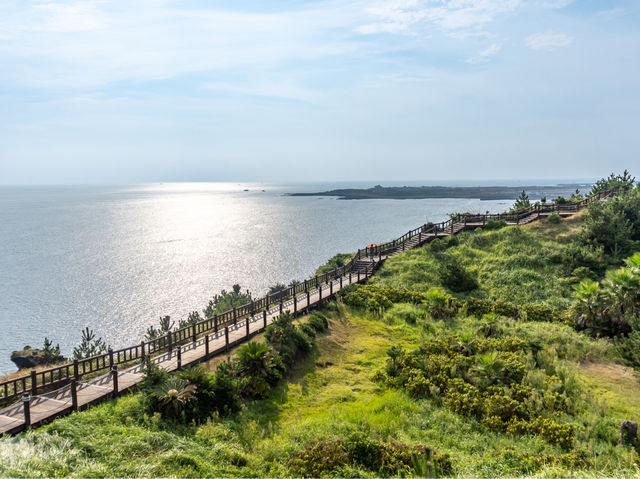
{"points": [[324, 458], [440, 304], [205, 400], [308, 330], [318, 322], [554, 218], [170, 397], [503, 308], [491, 379], [538, 312], [495, 225], [226, 387], [287, 340], [552, 431], [455, 276], [478, 307]]}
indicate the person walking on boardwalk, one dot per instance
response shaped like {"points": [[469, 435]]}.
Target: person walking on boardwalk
{"points": [[372, 248]]}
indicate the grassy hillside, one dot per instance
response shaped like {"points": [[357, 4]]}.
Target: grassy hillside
{"points": [[559, 395]]}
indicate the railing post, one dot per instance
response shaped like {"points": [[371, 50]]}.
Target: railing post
{"points": [[179, 358], [226, 338], [34, 382], [235, 315], [75, 367], [114, 375], [142, 351], [74, 394], [246, 325], [320, 293], [308, 299], [264, 318], [358, 276], [330, 288], [170, 343], [194, 335], [267, 303], [26, 406], [280, 306], [295, 304], [215, 322], [340, 282], [206, 345], [349, 277]]}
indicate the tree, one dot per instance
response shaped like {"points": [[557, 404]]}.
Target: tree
{"points": [[166, 325], [522, 201], [226, 300], [624, 181], [50, 351], [90, 346]]}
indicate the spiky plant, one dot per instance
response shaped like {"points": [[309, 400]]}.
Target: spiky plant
{"points": [[171, 396]]}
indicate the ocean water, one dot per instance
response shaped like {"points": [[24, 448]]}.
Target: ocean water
{"points": [[117, 258]]}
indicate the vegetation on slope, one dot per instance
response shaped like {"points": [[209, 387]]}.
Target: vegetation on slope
{"points": [[489, 371]]}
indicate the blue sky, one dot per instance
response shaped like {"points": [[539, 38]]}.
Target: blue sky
{"points": [[158, 90]]}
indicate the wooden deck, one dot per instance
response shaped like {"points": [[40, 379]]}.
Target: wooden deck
{"points": [[196, 343]]}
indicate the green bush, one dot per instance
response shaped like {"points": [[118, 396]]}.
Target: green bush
{"points": [[491, 379], [286, 339], [454, 275], [318, 322], [504, 308], [554, 218], [538, 312], [440, 304], [495, 225], [328, 458], [478, 307]]}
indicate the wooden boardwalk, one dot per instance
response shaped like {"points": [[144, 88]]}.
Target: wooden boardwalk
{"points": [[213, 336]]}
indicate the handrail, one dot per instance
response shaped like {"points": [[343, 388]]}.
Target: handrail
{"points": [[60, 374]]}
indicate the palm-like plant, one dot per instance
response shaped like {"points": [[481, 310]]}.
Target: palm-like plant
{"points": [[172, 395], [467, 344], [254, 359], [588, 299], [623, 287], [490, 368]]}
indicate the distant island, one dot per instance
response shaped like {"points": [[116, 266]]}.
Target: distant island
{"points": [[475, 192]]}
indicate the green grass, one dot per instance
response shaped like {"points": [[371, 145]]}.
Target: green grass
{"points": [[332, 392], [511, 264]]}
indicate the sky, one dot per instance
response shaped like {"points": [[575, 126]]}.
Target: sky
{"points": [[112, 91]]}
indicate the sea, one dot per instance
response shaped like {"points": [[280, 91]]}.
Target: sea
{"points": [[116, 258]]}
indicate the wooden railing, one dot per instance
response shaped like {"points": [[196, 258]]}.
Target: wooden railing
{"points": [[48, 378]]}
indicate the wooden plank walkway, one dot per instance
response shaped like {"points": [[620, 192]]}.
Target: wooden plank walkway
{"points": [[45, 407], [78, 394]]}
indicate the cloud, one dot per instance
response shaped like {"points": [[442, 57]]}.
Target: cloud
{"points": [[548, 41], [485, 55], [611, 14], [449, 16]]}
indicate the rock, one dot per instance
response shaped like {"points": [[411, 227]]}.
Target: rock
{"points": [[628, 432], [30, 358]]}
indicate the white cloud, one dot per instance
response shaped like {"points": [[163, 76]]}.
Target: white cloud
{"points": [[549, 41], [98, 42], [451, 16], [611, 14], [486, 54]]}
